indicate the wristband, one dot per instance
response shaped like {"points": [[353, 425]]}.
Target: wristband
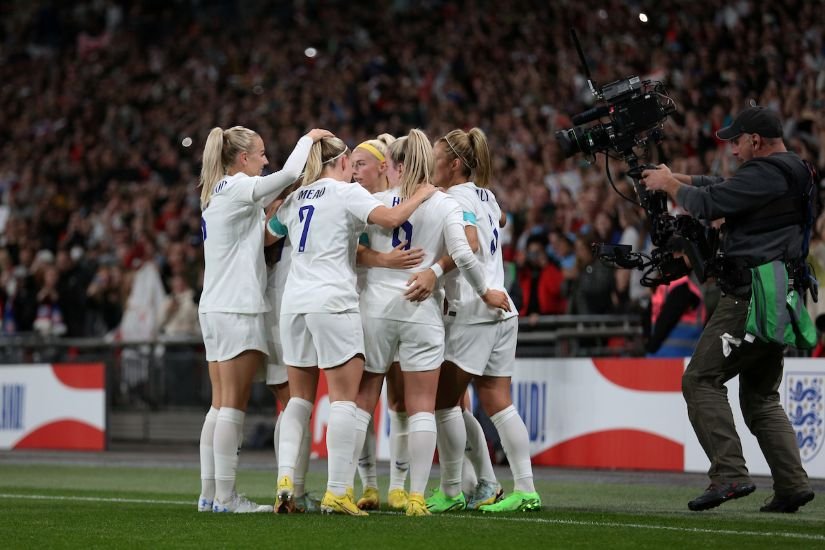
{"points": [[437, 269]]}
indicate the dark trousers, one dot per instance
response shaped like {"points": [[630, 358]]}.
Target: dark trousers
{"points": [[759, 366]]}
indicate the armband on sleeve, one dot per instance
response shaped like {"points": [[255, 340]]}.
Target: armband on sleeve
{"points": [[470, 218], [276, 228]]}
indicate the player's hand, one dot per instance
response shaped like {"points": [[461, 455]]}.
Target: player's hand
{"points": [[319, 133], [420, 286], [496, 299], [403, 259], [425, 191]]}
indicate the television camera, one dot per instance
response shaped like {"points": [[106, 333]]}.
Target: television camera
{"points": [[636, 110]]}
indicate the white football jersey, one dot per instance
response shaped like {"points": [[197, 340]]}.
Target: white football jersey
{"points": [[383, 296], [234, 279], [324, 221], [480, 209]]}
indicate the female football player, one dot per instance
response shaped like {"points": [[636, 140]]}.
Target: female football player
{"points": [[232, 305], [414, 330], [369, 160], [481, 342], [320, 323]]}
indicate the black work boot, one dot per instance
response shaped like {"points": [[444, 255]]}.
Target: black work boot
{"points": [[788, 504], [717, 493]]}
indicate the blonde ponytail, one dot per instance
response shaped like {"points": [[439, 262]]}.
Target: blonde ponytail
{"points": [[323, 152], [211, 167], [483, 168], [472, 150], [415, 152], [221, 149]]}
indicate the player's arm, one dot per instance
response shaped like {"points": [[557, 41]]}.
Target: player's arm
{"points": [[269, 187], [390, 218], [466, 261], [397, 259], [275, 231], [422, 284]]}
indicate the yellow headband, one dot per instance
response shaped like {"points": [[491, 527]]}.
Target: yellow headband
{"points": [[372, 149]]}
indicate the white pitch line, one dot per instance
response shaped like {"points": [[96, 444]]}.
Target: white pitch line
{"points": [[550, 521], [613, 525], [99, 499]]}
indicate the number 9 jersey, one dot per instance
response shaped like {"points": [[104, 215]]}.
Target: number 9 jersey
{"points": [[481, 210]]}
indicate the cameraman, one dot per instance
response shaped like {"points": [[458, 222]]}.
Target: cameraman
{"points": [[763, 215]]}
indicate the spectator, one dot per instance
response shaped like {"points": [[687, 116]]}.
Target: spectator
{"points": [[677, 318], [49, 320], [594, 289], [540, 282], [180, 312], [71, 288], [105, 297], [141, 317]]}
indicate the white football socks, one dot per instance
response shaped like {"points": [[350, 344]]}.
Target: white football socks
{"points": [[226, 447], [207, 454], [516, 444], [302, 463], [476, 449], [422, 441], [366, 456], [451, 441], [468, 477], [294, 422], [340, 447], [363, 422], [276, 437], [399, 449]]}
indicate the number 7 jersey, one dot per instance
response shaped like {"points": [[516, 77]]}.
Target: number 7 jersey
{"points": [[481, 210], [323, 220]]}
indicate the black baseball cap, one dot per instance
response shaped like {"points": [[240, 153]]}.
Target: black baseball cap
{"points": [[753, 120]]}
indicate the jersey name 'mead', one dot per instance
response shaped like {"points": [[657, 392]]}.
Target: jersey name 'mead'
{"points": [[309, 194]]}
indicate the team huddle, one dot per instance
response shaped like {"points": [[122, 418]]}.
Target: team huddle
{"points": [[377, 264]]}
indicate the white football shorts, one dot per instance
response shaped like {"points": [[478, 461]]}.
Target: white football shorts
{"points": [[321, 339], [483, 349], [416, 346], [227, 335]]}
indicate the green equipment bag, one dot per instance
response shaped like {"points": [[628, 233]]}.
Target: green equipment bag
{"points": [[777, 312]]}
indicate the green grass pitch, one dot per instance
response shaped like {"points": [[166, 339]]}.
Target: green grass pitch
{"points": [[68, 506]]}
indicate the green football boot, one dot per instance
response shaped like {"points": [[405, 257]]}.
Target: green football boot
{"points": [[517, 501], [438, 503]]}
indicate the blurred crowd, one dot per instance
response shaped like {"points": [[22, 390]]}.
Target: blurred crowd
{"points": [[106, 104]]}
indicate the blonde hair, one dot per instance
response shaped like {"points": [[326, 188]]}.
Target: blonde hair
{"points": [[380, 144], [472, 150], [323, 152], [220, 151], [415, 152]]}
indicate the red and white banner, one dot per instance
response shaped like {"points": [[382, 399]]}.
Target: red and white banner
{"points": [[60, 406], [629, 414], [603, 413]]}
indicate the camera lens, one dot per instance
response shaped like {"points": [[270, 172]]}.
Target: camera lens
{"points": [[567, 142], [581, 139]]}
